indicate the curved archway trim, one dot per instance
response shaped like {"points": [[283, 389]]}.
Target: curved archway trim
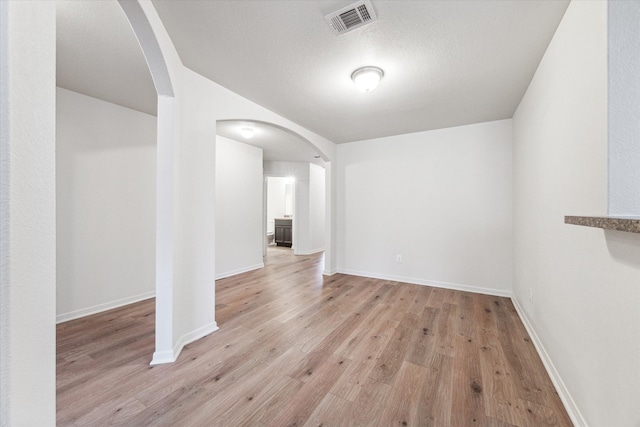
{"points": [[319, 150], [150, 46]]}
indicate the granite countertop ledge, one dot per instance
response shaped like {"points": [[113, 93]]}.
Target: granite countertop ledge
{"points": [[631, 225]]}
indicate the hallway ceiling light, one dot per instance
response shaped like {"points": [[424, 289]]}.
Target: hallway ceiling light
{"points": [[367, 78], [247, 132]]}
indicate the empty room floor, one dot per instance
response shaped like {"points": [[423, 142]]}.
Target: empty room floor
{"points": [[298, 349]]}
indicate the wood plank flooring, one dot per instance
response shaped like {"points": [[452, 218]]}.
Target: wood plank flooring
{"points": [[297, 349]]}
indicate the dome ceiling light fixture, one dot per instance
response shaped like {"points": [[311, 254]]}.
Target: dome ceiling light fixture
{"points": [[367, 78], [247, 132]]}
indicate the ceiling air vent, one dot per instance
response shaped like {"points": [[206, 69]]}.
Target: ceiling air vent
{"points": [[351, 17]]}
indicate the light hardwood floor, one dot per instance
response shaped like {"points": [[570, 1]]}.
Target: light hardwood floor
{"points": [[297, 349]]}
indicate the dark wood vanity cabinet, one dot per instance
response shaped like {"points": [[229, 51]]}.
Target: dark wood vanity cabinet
{"points": [[284, 232]]}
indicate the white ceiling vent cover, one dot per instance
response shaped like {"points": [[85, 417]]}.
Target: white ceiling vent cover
{"points": [[351, 17]]}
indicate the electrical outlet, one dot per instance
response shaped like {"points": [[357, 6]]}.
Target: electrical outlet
{"points": [[531, 295], [399, 259]]}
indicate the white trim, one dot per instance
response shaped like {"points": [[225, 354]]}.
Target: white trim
{"points": [[572, 409], [171, 356], [311, 252], [162, 357], [329, 272], [239, 271], [433, 283], [65, 317]]}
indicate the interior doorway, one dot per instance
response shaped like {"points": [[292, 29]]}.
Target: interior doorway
{"points": [[294, 202], [279, 211]]}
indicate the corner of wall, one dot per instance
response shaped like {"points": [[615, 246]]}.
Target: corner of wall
{"points": [[556, 379]]}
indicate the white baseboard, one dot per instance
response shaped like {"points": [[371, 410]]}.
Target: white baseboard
{"points": [[75, 314], [311, 252], [572, 409], [162, 357], [435, 284], [329, 272], [239, 271], [170, 356]]}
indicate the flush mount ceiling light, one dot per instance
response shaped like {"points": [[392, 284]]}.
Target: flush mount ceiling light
{"points": [[247, 132], [367, 78]]}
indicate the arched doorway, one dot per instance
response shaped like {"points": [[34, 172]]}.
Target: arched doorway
{"points": [[286, 154]]}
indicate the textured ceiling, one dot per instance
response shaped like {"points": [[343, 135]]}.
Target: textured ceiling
{"points": [[98, 55], [446, 63]]}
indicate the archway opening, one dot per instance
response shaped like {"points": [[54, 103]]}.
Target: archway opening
{"points": [[248, 154]]}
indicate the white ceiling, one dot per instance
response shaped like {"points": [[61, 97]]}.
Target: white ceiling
{"points": [[276, 143], [98, 55], [446, 63]]}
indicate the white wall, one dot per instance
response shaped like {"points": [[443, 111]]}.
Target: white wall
{"points": [[239, 185], [301, 224], [585, 281], [442, 199], [105, 203], [297, 170], [316, 208], [27, 213], [275, 200]]}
